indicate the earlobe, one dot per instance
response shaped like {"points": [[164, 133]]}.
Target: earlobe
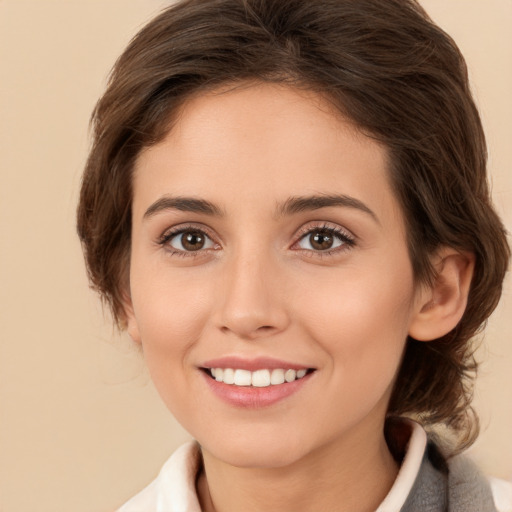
{"points": [[441, 306]]}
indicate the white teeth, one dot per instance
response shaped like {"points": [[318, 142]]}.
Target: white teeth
{"points": [[277, 376], [229, 376], [259, 378], [243, 377], [290, 375]]}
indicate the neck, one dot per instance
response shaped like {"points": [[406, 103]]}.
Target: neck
{"points": [[350, 474]]}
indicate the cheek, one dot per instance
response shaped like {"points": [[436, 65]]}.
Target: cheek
{"points": [[362, 325], [171, 310]]}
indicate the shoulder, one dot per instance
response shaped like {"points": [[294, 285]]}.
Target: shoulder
{"points": [[441, 480], [173, 488], [466, 482]]}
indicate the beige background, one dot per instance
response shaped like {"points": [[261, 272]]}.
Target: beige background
{"points": [[81, 427]]}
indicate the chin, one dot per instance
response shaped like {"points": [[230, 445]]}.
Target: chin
{"points": [[264, 452]]}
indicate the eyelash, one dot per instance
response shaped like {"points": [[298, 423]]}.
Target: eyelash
{"points": [[347, 240], [174, 232]]}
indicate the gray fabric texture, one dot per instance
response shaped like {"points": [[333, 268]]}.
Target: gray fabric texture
{"points": [[453, 486]]}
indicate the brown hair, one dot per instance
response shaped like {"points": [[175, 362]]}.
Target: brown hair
{"points": [[383, 64]]}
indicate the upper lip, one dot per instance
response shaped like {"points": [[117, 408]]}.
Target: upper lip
{"points": [[258, 363]]}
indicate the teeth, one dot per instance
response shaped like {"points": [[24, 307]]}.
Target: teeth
{"points": [[277, 376], [260, 379], [242, 378], [257, 379], [229, 376], [290, 375]]}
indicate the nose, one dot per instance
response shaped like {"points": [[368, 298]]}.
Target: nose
{"points": [[253, 303]]}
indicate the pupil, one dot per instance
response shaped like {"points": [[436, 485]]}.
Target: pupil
{"points": [[321, 240], [192, 241]]}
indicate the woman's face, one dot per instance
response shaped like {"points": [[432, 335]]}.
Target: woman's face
{"points": [[268, 243]]}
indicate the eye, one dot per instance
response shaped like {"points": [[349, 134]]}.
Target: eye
{"points": [[325, 239], [188, 240]]}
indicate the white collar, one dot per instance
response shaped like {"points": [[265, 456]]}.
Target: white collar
{"points": [[408, 472], [174, 490]]}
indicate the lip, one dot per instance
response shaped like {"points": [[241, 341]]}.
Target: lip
{"points": [[249, 397], [258, 363]]}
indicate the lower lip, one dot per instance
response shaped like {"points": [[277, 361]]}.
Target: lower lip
{"points": [[250, 397]]}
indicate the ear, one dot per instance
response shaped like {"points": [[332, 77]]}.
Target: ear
{"points": [[440, 306], [129, 320]]}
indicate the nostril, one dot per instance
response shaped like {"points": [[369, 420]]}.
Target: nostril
{"points": [[247, 331]]}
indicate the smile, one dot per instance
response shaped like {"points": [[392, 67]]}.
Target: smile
{"points": [[260, 378], [253, 383]]}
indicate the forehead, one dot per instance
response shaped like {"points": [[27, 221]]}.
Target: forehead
{"points": [[259, 144]]}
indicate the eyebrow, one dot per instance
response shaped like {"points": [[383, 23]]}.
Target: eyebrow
{"points": [[184, 204], [309, 203], [291, 206]]}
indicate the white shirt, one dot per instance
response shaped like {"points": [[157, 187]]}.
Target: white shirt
{"points": [[174, 488]]}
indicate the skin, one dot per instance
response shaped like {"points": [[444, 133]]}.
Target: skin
{"points": [[259, 288]]}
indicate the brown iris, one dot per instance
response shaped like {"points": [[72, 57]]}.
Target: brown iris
{"points": [[321, 240], [192, 240]]}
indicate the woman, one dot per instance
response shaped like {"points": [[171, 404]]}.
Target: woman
{"points": [[286, 205]]}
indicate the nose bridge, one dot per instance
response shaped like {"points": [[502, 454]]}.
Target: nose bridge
{"points": [[252, 303]]}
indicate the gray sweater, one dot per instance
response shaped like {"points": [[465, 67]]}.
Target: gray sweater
{"points": [[453, 486]]}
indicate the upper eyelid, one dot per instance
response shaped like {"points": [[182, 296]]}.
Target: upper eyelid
{"points": [[181, 228], [328, 226]]}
